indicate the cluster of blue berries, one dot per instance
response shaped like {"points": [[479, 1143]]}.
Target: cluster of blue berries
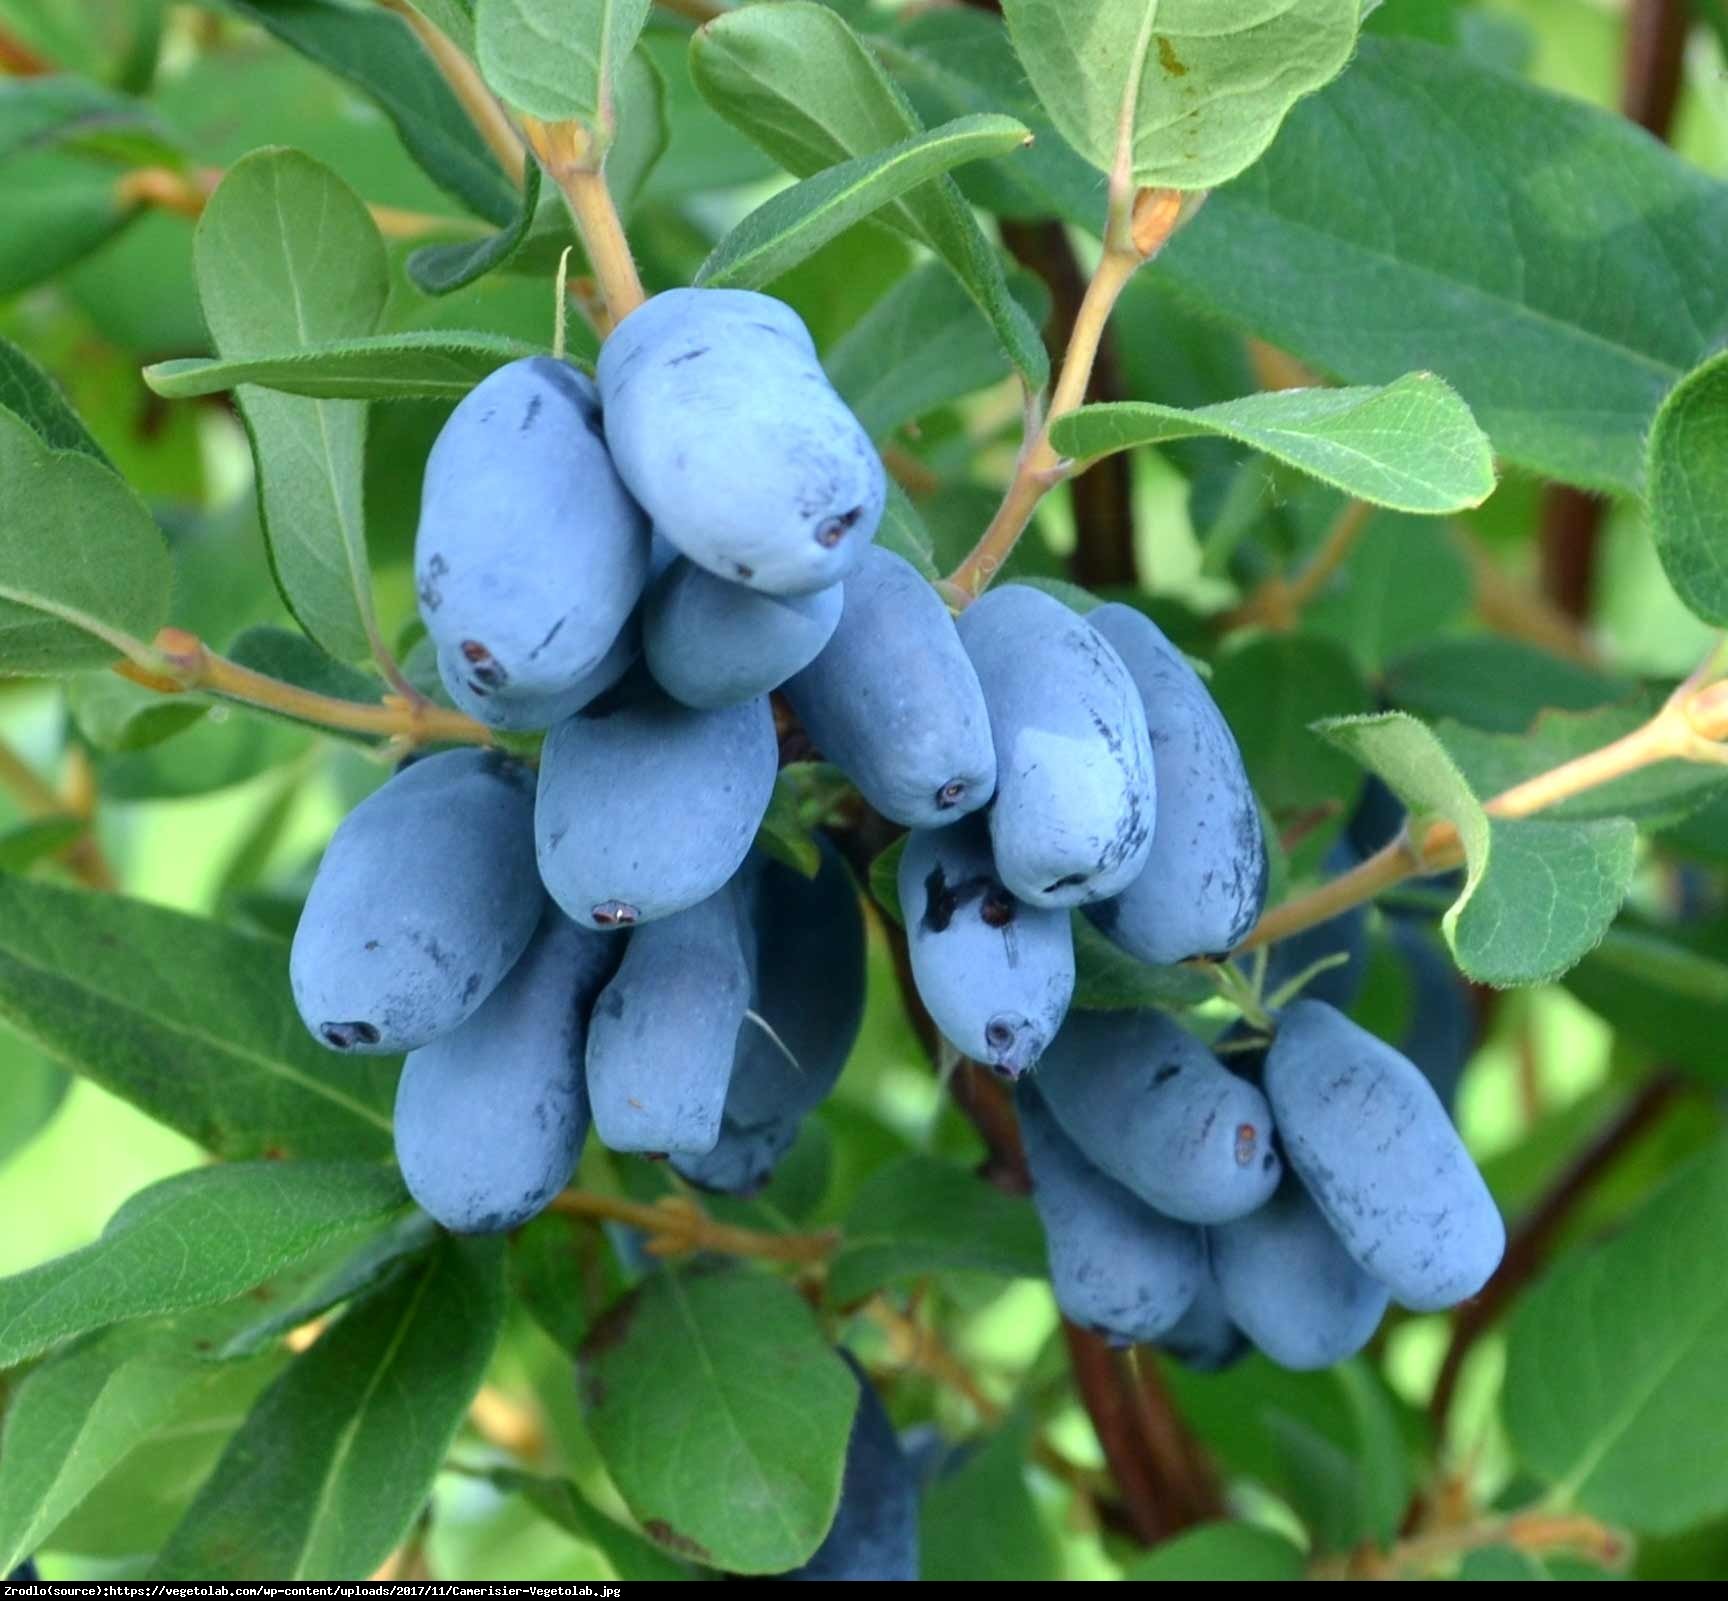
{"points": [[634, 567]]}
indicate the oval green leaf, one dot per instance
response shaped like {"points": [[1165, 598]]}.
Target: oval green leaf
{"points": [[1410, 445], [1199, 88], [797, 222]]}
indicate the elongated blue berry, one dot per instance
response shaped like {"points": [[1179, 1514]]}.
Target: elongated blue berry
{"points": [[1076, 799], [726, 429], [894, 701], [1117, 1267], [995, 974], [665, 1030], [424, 899], [1375, 1148], [530, 555], [1150, 1105], [1204, 881], [490, 1118]]}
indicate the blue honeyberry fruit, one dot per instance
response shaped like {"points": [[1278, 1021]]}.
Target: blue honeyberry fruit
{"points": [[1205, 1340], [1287, 1282], [1375, 1148], [995, 974], [425, 897], [807, 996], [1148, 1103], [24, 1573], [1345, 935], [1076, 798], [490, 1118], [1204, 883], [874, 1535], [1440, 1027], [893, 699], [725, 427], [646, 806], [521, 710], [713, 643], [664, 1031], [530, 553], [1117, 1267]]}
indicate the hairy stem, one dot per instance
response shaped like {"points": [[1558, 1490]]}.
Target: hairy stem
{"points": [[465, 82], [1102, 495], [676, 1226], [180, 662], [1691, 726], [1039, 469], [1139, 225], [566, 150]]}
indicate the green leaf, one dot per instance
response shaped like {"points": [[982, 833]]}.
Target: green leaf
{"points": [[920, 1215], [1495, 683], [377, 1262], [782, 832], [31, 1092], [32, 396], [84, 573], [1671, 1000], [1406, 581], [381, 58], [193, 1240], [1241, 1552], [792, 225], [980, 1524], [336, 1460], [288, 258], [560, 1502], [1687, 482], [922, 345], [1616, 1383], [951, 61], [1563, 277], [1659, 793], [27, 844], [1412, 445], [550, 1267], [795, 79], [442, 269], [77, 1417], [1200, 94], [903, 531], [558, 62], [114, 714], [1272, 691], [427, 364], [732, 1366], [65, 143], [1538, 894], [1109, 980], [884, 881], [191, 1022]]}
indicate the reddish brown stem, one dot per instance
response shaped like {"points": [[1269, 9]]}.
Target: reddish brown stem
{"points": [[1652, 71], [1532, 1241], [1108, 1399], [1102, 496]]}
